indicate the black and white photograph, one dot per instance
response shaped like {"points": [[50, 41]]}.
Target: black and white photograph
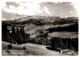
{"points": [[39, 29]]}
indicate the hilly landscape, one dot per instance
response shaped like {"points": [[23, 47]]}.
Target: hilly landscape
{"points": [[52, 34]]}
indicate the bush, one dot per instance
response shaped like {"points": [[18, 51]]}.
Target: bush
{"points": [[9, 46]]}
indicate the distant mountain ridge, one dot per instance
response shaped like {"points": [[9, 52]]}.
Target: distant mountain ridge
{"points": [[42, 20]]}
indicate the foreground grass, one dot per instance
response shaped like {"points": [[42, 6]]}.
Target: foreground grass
{"points": [[33, 50]]}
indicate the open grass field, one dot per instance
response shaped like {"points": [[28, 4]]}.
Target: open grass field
{"points": [[34, 50]]}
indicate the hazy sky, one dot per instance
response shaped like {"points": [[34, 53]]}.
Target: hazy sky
{"points": [[17, 9]]}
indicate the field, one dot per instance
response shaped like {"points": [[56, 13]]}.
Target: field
{"points": [[34, 50]]}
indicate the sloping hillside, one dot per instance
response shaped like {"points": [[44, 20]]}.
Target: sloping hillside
{"points": [[33, 50]]}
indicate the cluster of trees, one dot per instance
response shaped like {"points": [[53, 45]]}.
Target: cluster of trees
{"points": [[64, 43], [73, 28], [41, 39], [14, 34], [56, 43]]}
